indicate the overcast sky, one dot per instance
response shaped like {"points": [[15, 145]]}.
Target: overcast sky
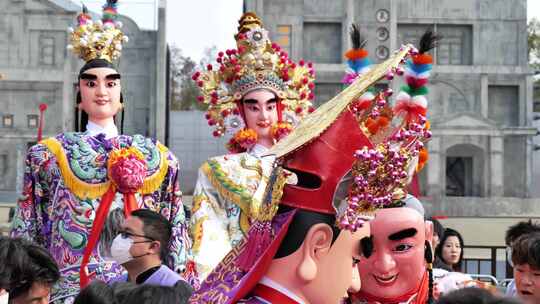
{"points": [[194, 25]]}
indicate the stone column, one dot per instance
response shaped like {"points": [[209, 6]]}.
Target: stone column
{"points": [[158, 120], [484, 95], [434, 167], [496, 154]]}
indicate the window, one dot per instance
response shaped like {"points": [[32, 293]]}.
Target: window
{"points": [[325, 91], [32, 121], [454, 49], [322, 42], [458, 176], [503, 104], [284, 37], [3, 164], [7, 121], [46, 50]]}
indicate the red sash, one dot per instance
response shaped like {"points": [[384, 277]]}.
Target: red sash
{"points": [[271, 295]]}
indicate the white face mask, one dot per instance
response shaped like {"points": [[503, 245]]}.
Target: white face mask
{"points": [[120, 249]]}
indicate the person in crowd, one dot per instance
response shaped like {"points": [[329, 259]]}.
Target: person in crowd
{"points": [[512, 234], [153, 294], [473, 295], [96, 292], [141, 248], [526, 260], [27, 270], [438, 231], [450, 249]]}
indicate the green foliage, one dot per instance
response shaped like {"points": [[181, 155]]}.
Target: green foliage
{"points": [[533, 43], [184, 90]]}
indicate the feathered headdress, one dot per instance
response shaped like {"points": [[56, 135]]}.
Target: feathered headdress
{"points": [[256, 63], [98, 40], [411, 102]]}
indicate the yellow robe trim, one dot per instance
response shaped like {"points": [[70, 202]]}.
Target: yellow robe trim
{"points": [[197, 233], [84, 190], [230, 190]]}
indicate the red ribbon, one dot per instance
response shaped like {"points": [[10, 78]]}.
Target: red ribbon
{"points": [[411, 111], [42, 108], [130, 205]]}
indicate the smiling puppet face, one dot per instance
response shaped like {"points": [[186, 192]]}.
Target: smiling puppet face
{"points": [[397, 264]]}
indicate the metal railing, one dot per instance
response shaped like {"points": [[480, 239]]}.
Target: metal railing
{"points": [[498, 268]]}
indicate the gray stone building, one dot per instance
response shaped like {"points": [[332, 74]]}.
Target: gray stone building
{"points": [[481, 89], [37, 68], [480, 168]]}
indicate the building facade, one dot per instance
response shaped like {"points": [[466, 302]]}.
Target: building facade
{"points": [[481, 87], [37, 68]]}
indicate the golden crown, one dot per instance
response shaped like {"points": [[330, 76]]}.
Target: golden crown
{"points": [[256, 63], [98, 40]]}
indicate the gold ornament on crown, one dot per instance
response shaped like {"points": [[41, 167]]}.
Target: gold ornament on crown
{"points": [[101, 39], [256, 63]]}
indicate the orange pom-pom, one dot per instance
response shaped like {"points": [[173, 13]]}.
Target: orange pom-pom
{"points": [[280, 130], [383, 121], [354, 54], [427, 125], [423, 157], [243, 140], [422, 59]]}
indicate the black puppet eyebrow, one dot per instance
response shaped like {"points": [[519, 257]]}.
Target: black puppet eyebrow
{"points": [[87, 76], [403, 234], [254, 101]]}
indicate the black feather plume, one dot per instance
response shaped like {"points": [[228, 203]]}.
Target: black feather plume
{"points": [[357, 40], [84, 9], [428, 41]]}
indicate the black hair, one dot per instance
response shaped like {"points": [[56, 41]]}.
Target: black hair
{"points": [[23, 264], [122, 289], [526, 250], [519, 229], [156, 227], [154, 294], [448, 232], [183, 290], [302, 221], [82, 119], [437, 227], [96, 292], [474, 295]]}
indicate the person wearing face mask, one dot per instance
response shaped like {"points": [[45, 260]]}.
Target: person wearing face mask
{"points": [[80, 186], [141, 247], [256, 95]]}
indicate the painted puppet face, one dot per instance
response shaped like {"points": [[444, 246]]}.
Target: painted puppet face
{"points": [[396, 265], [100, 93], [260, 109], [337, 270]]}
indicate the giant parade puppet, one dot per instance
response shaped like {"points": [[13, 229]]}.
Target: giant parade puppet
{"points": [[400, 268], [330, 176], [257, 95], [79, 186]]}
